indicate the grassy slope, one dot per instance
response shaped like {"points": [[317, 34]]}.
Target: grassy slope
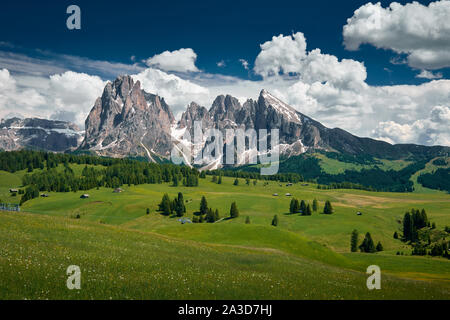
{"points": [[333, 166], [429, 168], [381, 211], [119, 263], [290, 240]]}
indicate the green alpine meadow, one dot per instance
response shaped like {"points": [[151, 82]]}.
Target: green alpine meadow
{"points": [[218, 241]]}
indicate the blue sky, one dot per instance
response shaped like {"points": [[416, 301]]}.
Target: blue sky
{"points": [[216, 30], [375, 69]]}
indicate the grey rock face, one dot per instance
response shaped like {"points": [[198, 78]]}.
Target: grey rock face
{"points": [[126, 120], [41, 134], [296, 131]]}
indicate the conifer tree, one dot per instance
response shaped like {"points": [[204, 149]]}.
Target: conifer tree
{"points": [[379, 247], [210, 216], [308, 210], [328, 209], [275, 221], [203, 206], [354, 241], [180, 207], [236, 182], [247, 220], [314, 205], [234, 212], [407, 226], [367, 245], [165, 206], [292, 206], [303, 207]]}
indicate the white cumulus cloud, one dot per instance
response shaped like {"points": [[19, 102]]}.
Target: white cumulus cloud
{"points": [[182, 60], [432, 130], [68, 96], [418, 31]]}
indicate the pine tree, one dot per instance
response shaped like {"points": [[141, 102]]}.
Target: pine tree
{"points": [[314, 205], [275, 221], [395, 235], [203, 206], [175, 180], [236, 182], [165, 205], [367, 245], [308, 210], [327, 209], [234, 212], [247, 220], [303, 207], [148, 211], [379, 246], [292, 206], [210, 216], [220, 180], [407, 226], [354, 241], [180, 207], [296, 206]]}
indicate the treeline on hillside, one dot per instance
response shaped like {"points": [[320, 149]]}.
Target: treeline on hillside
{"points": [[379, 180], [114, 176], [440, 179], [13, 161], [373, 179], [349, 158], [110, 173], [281, 177]]}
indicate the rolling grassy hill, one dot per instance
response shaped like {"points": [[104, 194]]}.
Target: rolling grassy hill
{"points": [[126, 253], [118, 263]]}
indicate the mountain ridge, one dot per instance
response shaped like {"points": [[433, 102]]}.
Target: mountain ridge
{"points": [[127, 121]]}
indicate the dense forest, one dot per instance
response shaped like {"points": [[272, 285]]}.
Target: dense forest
{"points": [[440, 179]]}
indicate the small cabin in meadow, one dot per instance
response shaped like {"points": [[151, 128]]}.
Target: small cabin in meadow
{"points": [[275, 194], [117, 190], [84, 196], [13, 190], [288, 195], [44, 195], [359, 213]]}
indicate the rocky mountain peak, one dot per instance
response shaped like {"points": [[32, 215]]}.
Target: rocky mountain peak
{"points": [[126, 120], [224, 107], [194, 112], [35, 133]]}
